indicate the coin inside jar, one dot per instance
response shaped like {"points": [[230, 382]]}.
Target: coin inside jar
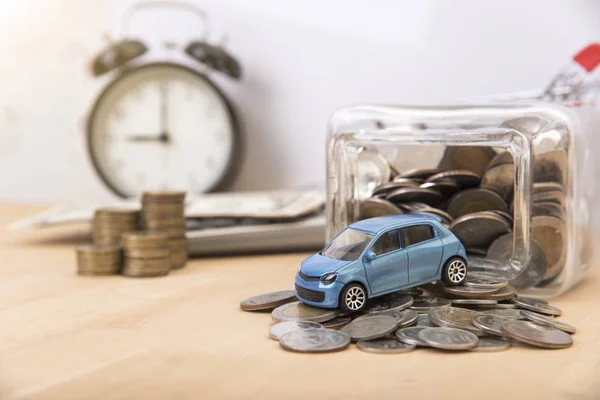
{"points": [[479, 230], [475, 200]]}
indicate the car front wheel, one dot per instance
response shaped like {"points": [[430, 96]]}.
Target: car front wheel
{"points": [[353, 298], [455, 271]]}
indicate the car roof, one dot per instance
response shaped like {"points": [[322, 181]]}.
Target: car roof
{"points": [[377, 224]]}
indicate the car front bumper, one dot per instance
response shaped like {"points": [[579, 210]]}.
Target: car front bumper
{"points": [[311, 293]]}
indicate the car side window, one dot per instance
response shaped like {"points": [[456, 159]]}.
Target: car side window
{"points": [[387, 242], [416, 234]]}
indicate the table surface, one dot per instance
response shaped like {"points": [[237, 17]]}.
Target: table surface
{"points": [[64, 336]]}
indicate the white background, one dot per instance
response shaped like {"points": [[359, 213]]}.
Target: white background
{"points": [[301, 59]]}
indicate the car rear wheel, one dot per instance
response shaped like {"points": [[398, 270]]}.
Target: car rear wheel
{"points": [[353, 298], [455, 271]]}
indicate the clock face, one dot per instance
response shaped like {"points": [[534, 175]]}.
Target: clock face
{"points": [[162, 126]]}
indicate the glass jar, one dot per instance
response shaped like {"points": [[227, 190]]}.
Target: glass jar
{"points": [[515, 182]]}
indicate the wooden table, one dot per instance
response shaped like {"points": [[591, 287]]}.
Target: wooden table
{"points": [[63, 336]]}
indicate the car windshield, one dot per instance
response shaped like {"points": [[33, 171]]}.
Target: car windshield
{"points": [[348, 245]]}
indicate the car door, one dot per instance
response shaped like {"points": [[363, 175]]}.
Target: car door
{"points": [[424, 248], [389, 269]]}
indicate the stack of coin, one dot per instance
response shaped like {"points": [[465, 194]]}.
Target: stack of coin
{"points": [[471, 191], [146, 254], [484, 314], [110, 223], [98, 260], [164, 212]]}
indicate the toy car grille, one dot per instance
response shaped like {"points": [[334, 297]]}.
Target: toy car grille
{"points": [[310, 295], [309, 278]]}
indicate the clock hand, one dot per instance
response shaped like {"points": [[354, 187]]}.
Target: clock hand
{"points": [[163, 137]]}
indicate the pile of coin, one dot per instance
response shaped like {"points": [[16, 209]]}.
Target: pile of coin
{"points": [[146, 254], [98, 260], [110, 223], [120, 246], [163, 212], [484, 314], [472, 193]]}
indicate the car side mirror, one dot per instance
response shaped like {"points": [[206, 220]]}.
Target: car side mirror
{"points": [[370, 256]]}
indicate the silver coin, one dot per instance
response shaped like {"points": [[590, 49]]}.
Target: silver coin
{"points": [[502, 158], [475, 200], [485, 280], [371, 327], [547, 209], [536, 305], [470, 291], [268, 301], [420, 173], [486, 344], [542, 187], [501, 252], [472, 158], [479, 230], [510, 313], [505, 306], [424, 320], [473, 302], [389, 346], [407, 195], [396, 314], [389, 302], [505, 293], [424, 304], [314, 340], [474, 251], [411, 335], [453, 317], [549, 232], [501, 180], [491, 324], [446, 188], [447, 218], [413, 206], [298, 311], [280, 329], [537, 335], [389, 186], [373, 207], [337, 322], [463, 178], [548, 321], [550, 167], [508, 217], [409, 318], [448, 338], [415, 291]]}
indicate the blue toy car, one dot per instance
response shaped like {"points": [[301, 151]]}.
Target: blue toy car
{"points": [[380, 255]]}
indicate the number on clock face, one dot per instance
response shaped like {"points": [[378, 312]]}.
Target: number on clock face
{"points": [[161, 126]]}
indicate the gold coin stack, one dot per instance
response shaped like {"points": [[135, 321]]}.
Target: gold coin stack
{"points": [[163, 212], [146, 254], [98, 260], [110, 223]]}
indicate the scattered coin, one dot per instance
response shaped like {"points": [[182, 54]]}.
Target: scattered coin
{"points": [[490, 324], [371, 327], [396, 314], [485, 280], [280, 329], [448, 338], [424, 320], [510, 313], [337, 322], [537, 335], [536, 305], [314, 340], [298, 311], [411, 335], [453, 317], [409, 318], [473, 302], [505, 293], [424, 304], [487, 344], [548, 321], [390, 302], [469, 291], [268, 301], [389, 346]]}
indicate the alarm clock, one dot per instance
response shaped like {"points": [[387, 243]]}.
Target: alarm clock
{"points": [[163, 125]]}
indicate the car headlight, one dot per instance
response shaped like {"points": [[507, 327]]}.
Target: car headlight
{"points": [[329, 278]]}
